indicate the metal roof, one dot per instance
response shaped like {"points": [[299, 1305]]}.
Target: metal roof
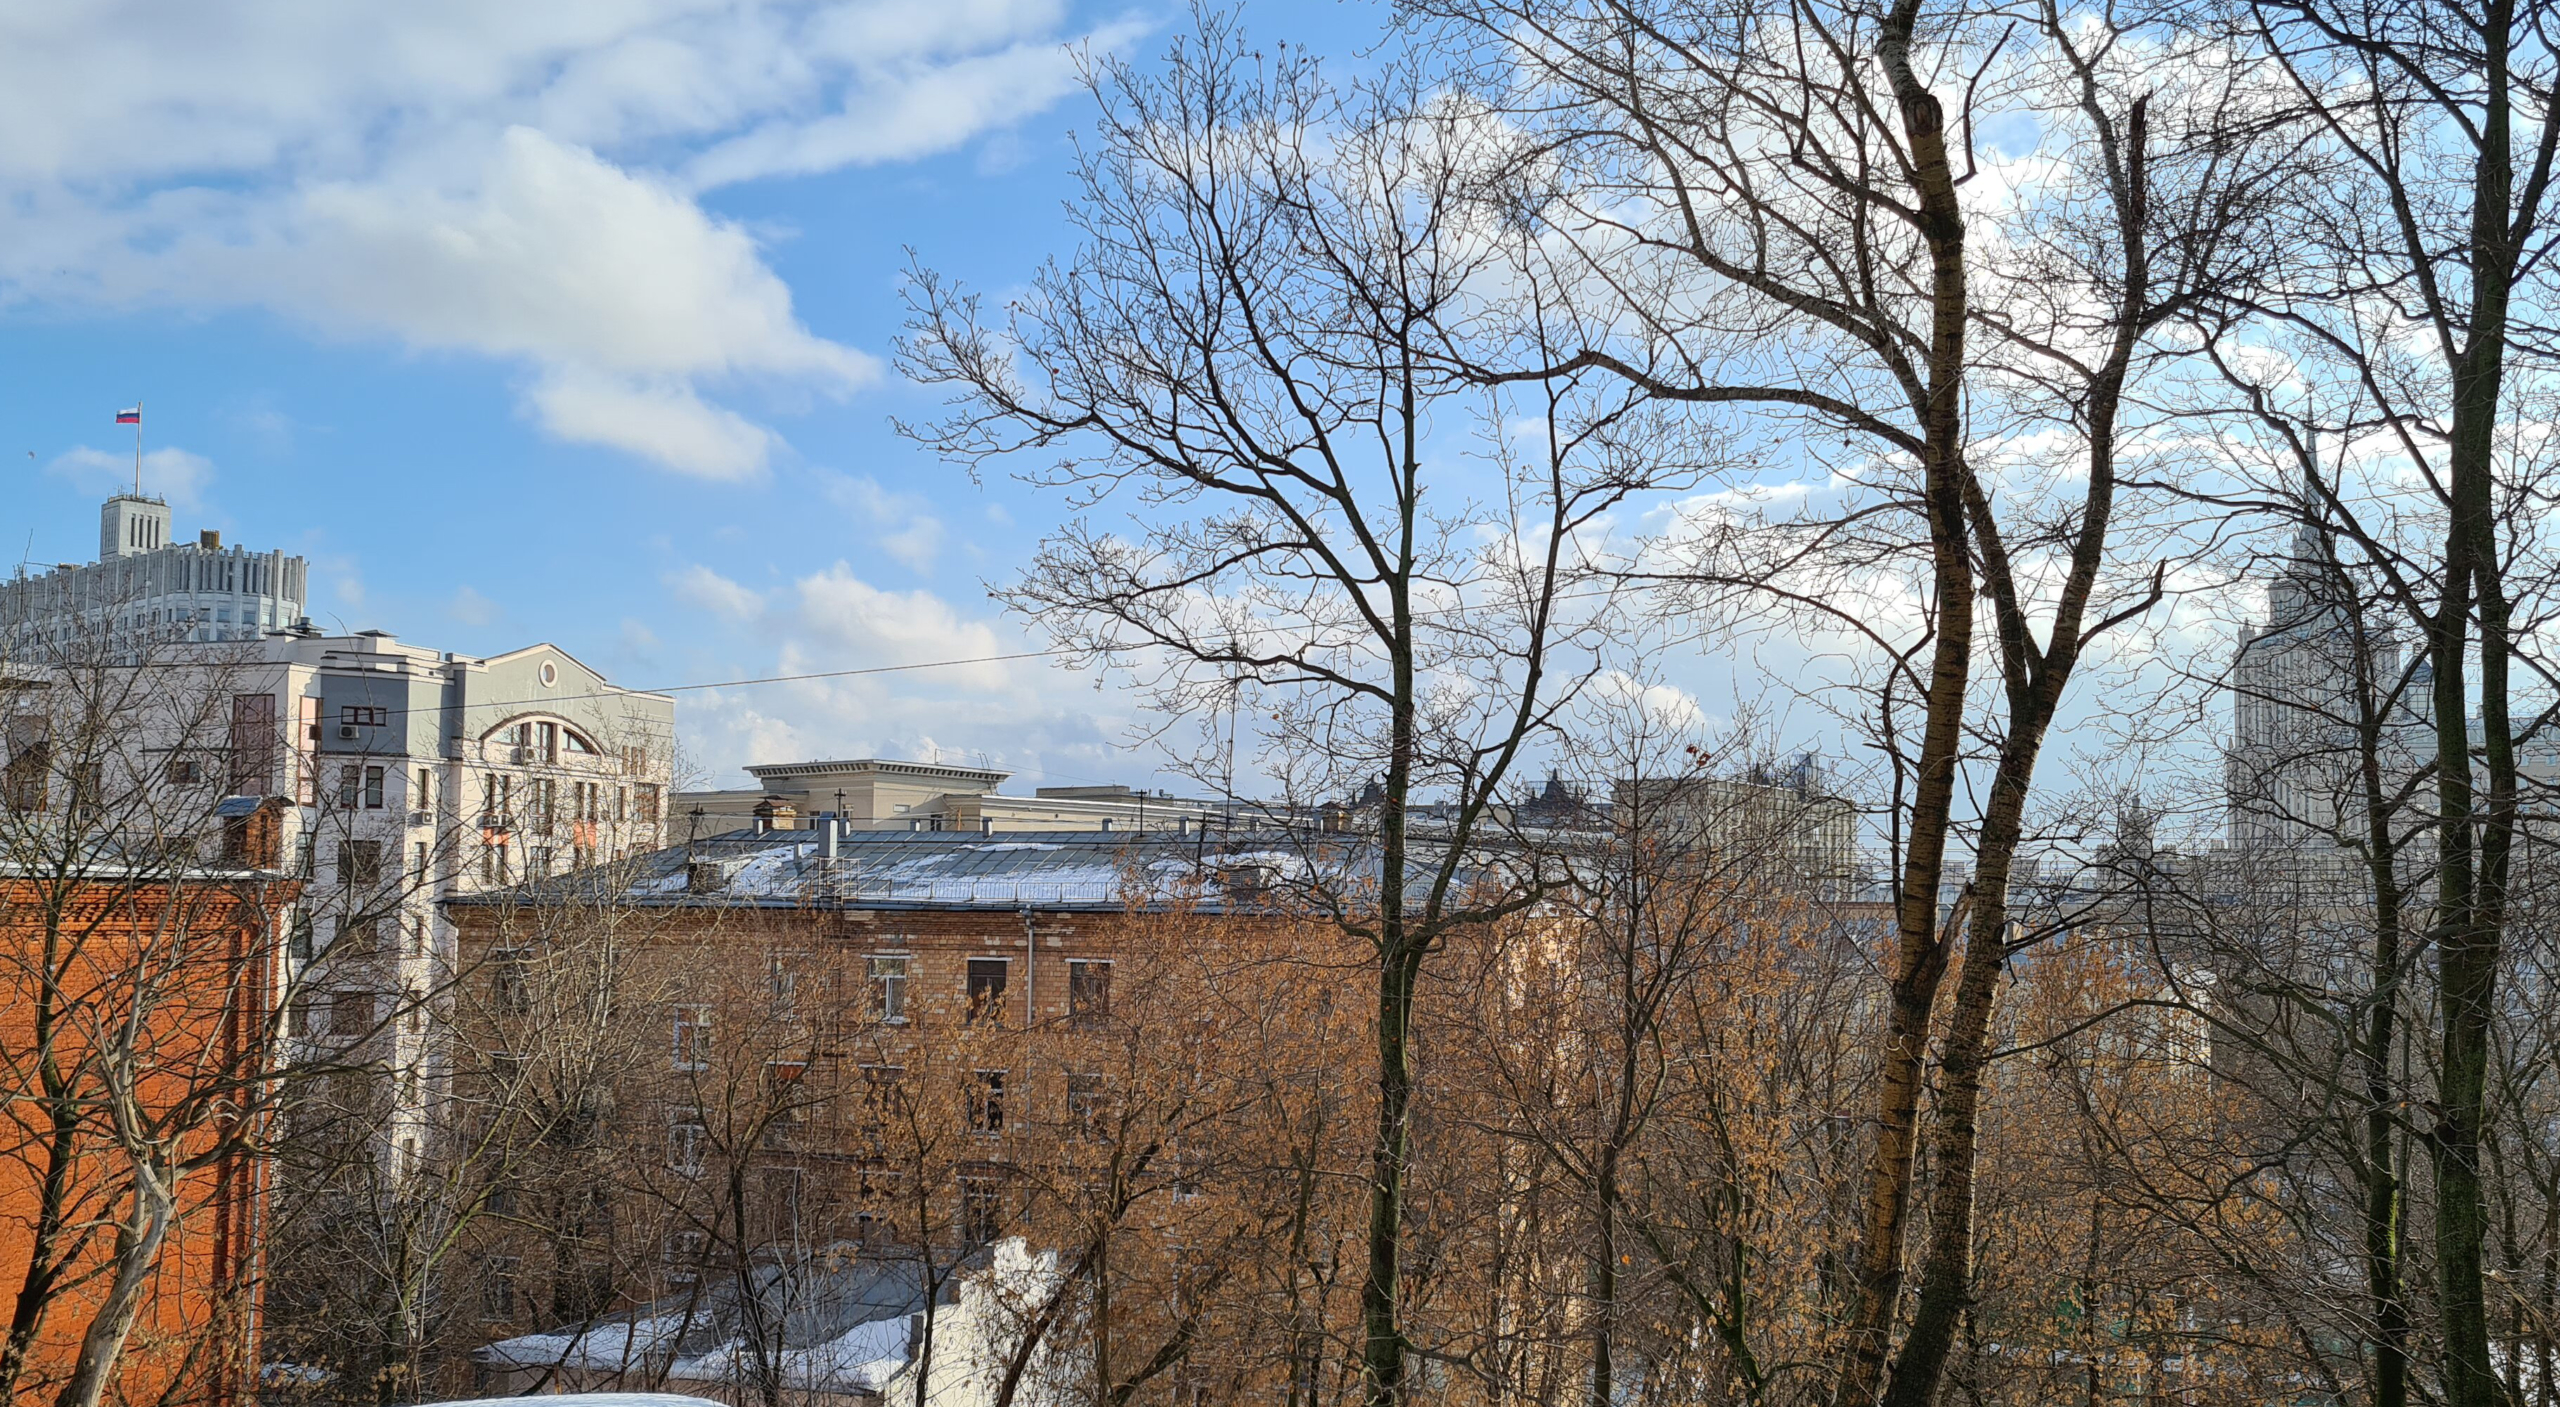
{"points": [[1081, 870]]}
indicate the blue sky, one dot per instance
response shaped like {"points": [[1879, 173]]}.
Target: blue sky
{"points": [[571, 321], [566, 321]]}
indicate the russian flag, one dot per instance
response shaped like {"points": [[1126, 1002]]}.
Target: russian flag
{"points": [[129, 417]]}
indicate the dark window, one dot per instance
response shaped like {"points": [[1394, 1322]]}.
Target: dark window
{"points": [[88, 791], [253, 743], [986, 988], [185, 771], [350, 786], [498, 1289], [373, 788], [981, 1208], [365, 715], [883, 1096], [30, 761], [1088, 1106], [1088, 993], [511, 987], [351, 1014], [359, 863], [986, 1102]]}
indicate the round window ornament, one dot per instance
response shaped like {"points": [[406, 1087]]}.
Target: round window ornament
{"points": [[549, 674]]}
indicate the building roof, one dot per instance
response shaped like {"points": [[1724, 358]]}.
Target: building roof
{"points": [[1098, 871], [771, 772]]}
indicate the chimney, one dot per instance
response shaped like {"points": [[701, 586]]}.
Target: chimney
{"points": [[209, 540]]}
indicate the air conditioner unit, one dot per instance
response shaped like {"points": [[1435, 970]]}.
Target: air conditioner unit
{"points": [[347, 732]]}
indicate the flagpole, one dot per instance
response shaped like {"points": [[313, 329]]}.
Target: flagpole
{"points": [[137, 447]]}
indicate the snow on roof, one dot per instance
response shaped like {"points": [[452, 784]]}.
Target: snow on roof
{"points": [[1099, 870]]}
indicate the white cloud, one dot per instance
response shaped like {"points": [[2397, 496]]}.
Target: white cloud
{"points": [[899, 627], [177, 475], [661, 419], [1043, 723], [494, 178], [702, 587], [898, 521]]}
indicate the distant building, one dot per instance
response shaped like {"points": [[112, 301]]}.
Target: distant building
{"points": [[922, 1013], [878, 794], [2293, 773], [1786, 820], [417, 775], [404, 775], [145, 584]]}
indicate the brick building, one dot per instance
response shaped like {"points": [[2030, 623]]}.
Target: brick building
{"points": [[822, 1043], [161, 979]]}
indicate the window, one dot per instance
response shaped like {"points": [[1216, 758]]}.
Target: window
{"points": [[30, 761], [1190, 1165], [359, 863], [355, 936], [88, 791], [365, 715], [981, 1209], [418, 860], [417, 937], [350, 786], [783, 972], [883, 1089], [544, 802], [498, 1289], [986, 1102], [350, 1014], [888, 989], [373, 788], [497, 800], [645, 801], [510, 981], [1088, 1105], [1088, 993], [538, 861], [986, 988], [185, 771], [422, 795], [493, 861], [692, 1036], [685, 1140], [253, 743], [547, 741]]}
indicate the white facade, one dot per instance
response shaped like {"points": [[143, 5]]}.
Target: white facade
{"points": [[152, 588], [417, 775], [399, 776]]}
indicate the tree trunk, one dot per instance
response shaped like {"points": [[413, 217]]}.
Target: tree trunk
{"points": [[2471, 905], [1920, 960], [138, 1241]]}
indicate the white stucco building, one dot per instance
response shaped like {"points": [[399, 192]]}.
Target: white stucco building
{"points": [[145, 581]]}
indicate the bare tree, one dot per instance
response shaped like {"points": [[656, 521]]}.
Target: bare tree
{"points": [[1270, 340]]}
